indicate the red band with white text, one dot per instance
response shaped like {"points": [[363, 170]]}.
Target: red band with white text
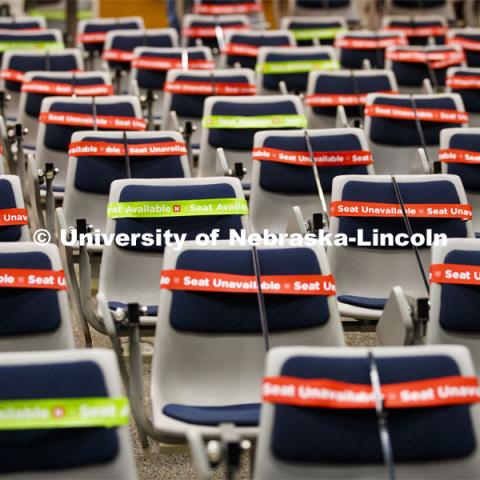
{"points": [[466, 43], [326, 393], [54, 88], [13, 216], [456, 155], [32, 278], [209, 88], [461, 82], [414, 210], [420, 30], [456, 274], [423, 114], [322, 159], [436, 60], [369, 44], [105, 149], [91, 37], [193, 280], [210, 32], [86, 120], [163, 64], [226, 9], [336, 99], [240, 49], [118, 55], [12, 75]]}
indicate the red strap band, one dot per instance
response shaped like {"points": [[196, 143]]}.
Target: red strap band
{"points": [[368, 44], [109, 122], [226, 9], [456, 274], [117, 55], [435, 60], [455, 155], [393, 210], [460, 82], [31, 278], [467, 44], [91, 37], [55, 88], [163, 64], [193, 280], [105, 149], [423, 114], [336, 99], [420, 30], [326, 393], [323, 159], [240, 49], [209, 88], [210, 32], [12, 75], [13, 216]]}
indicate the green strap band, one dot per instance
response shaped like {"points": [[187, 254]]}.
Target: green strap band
{"points": [[30, 45], [297, 66], [178, 208], [262, 121], [63, 413], [60, 14], [320, 33]]}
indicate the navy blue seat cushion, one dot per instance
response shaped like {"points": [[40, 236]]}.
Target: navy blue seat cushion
{"points": [[28, 63], [438, 39], [241, 139], [243, 415], [19, 25], [305, 25], [237, 313], [441, 192], [314, 4], [106, 27], [57, 137], [351, 436], [191, 226], [192, 105], [96, 173], [294, 81], [421, 4], [10, 233], [34, 100], [412, 74], [152, 310], [472, 56], [211, 42], [470, 174], [354, 57], [406, 133], [154, 79], [30, 450], [28, 310], [341, 84], [259, 40], [470, 96], [299, 180], [365, 302], [128, 44], [459, 303]]}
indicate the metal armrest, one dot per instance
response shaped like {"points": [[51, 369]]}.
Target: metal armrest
{"points": [[198, 450], [341, 118]]}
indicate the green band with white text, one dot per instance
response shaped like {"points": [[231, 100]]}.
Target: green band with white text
{"points": [[64, 413], [261, 121], [178, 208], [30, 45], [297, 66], [320, 33]]}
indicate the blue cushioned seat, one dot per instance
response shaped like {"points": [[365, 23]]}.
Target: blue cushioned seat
{"points": [[19, 24], [51, 449], [438, 39], [22, 36], [243, 415], [353, 58], [191, 226], [351, 436], [242, 138], [299, 180], [406, 133], [106, 27], [210, 42], [192, 105], [96, 173], [234, 313], [28, 310], [470, 96], [296, 25], [365, 302], [473, 56]]}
